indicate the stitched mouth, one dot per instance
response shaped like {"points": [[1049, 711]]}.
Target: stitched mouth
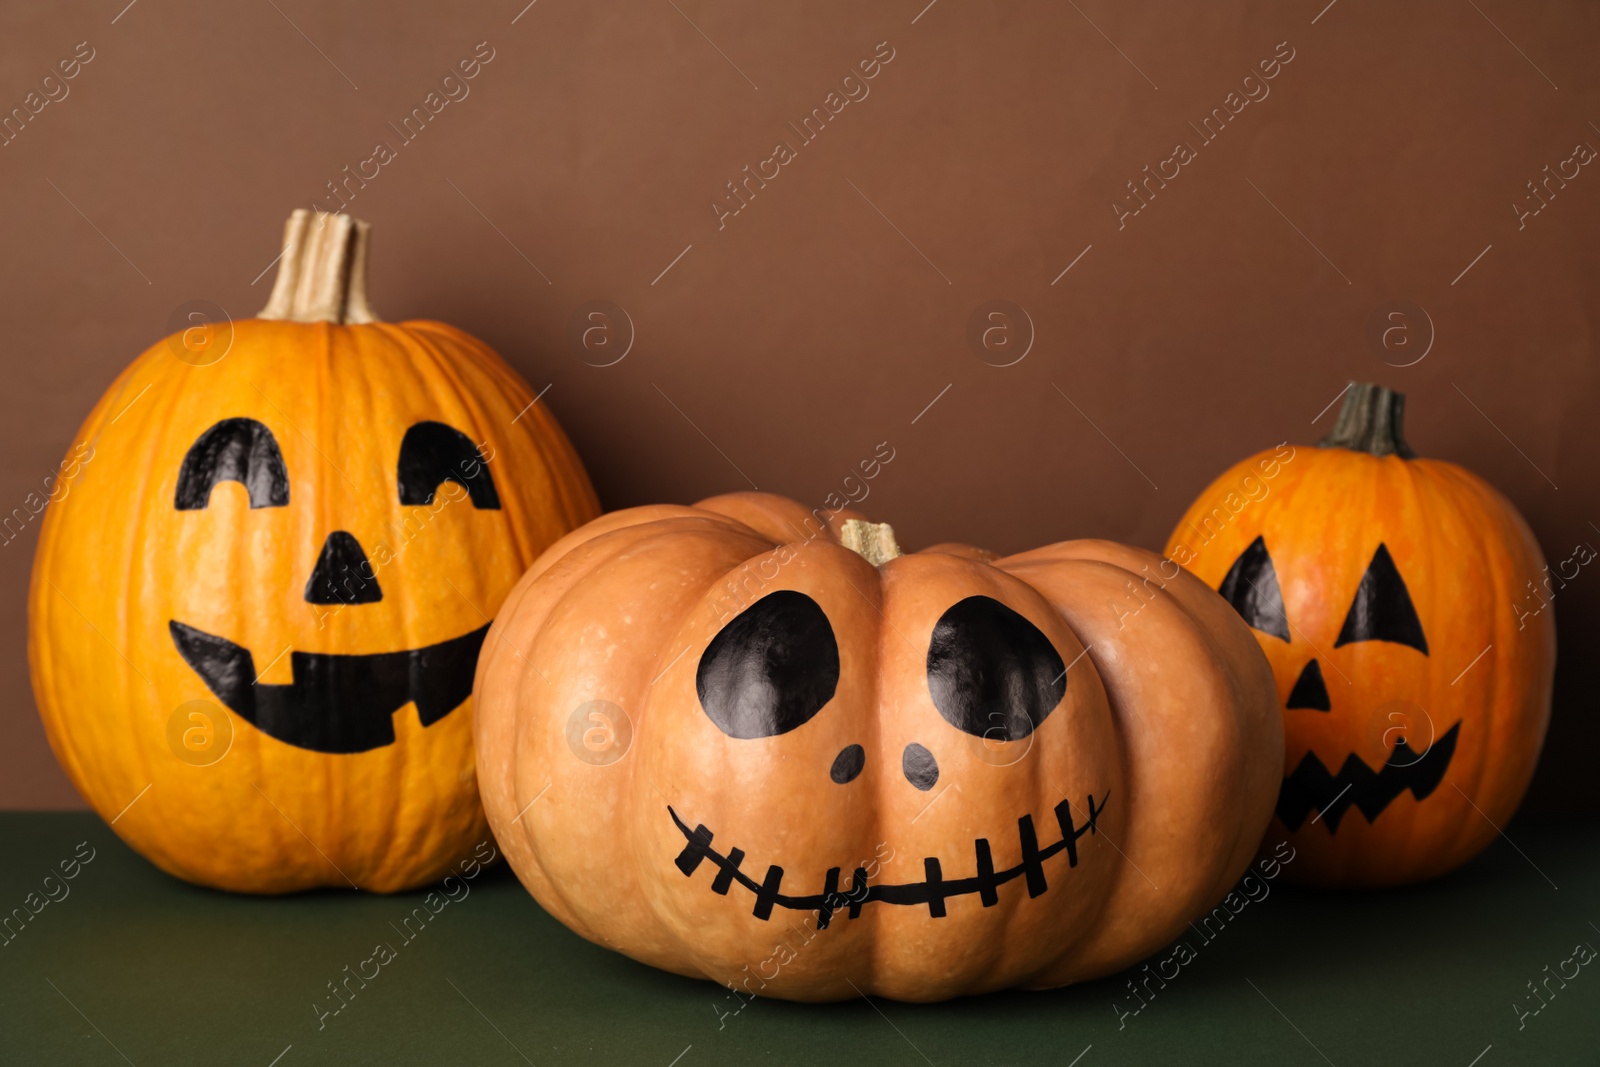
{"points": [[1311, 786], [932, 891], [336, 703]]}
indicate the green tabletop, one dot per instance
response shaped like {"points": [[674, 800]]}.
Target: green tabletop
{"points": [[129, 965]]}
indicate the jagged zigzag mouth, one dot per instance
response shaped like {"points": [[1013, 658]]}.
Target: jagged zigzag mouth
{"points": [[1311, 786], [932, 891]]}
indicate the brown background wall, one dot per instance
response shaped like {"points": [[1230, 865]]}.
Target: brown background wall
{"points": [[825, 316]]}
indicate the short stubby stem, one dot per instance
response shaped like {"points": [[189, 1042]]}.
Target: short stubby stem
{"points": [[1371, 421], [872, 541], [322, 274]]}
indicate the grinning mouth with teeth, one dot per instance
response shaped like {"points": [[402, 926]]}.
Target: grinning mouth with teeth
{"points": [[337, 703], [932, 891]]}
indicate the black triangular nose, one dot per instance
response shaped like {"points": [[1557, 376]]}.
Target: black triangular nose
{"points": [[342, 574], [1308, 691]]}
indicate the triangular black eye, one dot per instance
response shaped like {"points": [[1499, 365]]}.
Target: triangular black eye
{"points": [[1309, 690], [991, 672], [1382, 610], [771, 669], [1252, 588]]}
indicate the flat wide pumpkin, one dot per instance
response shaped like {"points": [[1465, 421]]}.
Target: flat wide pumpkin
{"points": [[255, 617], [1396, 599], [719, 740]]}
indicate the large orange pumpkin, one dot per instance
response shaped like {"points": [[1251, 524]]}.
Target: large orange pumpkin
{"points": [[720, 741], [1392, 597], [254, 619]]}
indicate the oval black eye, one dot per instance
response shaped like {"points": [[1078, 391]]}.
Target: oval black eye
{"points": [[771, 669], [991, 672]]}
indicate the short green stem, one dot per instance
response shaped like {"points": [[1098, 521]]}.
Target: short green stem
{"points": [[1371, 421]]}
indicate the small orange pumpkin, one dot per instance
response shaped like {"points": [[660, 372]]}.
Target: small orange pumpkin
{"points": [[254, 620], [747, 742], [1387, 591]]}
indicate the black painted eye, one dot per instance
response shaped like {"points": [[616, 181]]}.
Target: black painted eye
{"points": [[1252, 588], [991, 672], [771, 669], [1382, 609], [432, 453], [234, 450]]}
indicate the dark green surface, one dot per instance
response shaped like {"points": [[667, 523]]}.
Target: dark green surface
{"points": [[171, 974]]}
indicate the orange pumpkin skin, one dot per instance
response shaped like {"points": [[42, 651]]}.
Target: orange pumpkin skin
{"points": [[1167, 723], [1461, 724], [118, 565]]}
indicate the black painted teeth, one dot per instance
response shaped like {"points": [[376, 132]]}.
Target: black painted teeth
{"points": [[932, 891]]}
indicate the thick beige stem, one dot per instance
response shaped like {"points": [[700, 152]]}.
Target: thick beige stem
{"points": [[872, 541], [322, 275]]}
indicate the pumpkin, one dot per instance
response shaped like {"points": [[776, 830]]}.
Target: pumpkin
{"points": [[254, 621], [1392, 596], [757, 744]]}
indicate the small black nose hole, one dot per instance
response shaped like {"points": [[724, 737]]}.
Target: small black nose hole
{"points": [[848, 763], [920, 768], [343, 574]]}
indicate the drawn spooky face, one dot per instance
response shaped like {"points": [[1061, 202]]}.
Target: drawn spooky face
{"points": [[258, 611], [337, 701], [1380, 610], [916, 774], [992, 675], [1390, 595]]}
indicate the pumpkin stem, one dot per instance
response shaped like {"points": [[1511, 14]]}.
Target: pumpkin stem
{"points": [[322, 274], [872, 541], [1372, 421]]}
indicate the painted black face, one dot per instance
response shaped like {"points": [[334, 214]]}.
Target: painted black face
{"points": [[336, 703], [991, 673], [1381, 610]]}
